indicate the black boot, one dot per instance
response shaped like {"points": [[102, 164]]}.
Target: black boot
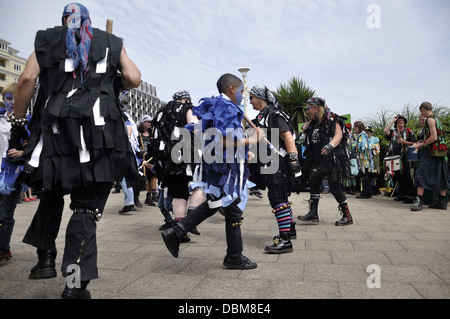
{"points": [[127, 209], [171, 241], [137, 202], [417, 204], [116, 188], [45, 268], [293, 231], [281, 244], [148, 200], [234, 258], [76, 293], [441, 203], [312, 215], [193, 230], [346, 217], [155, 196], [167, 225]]}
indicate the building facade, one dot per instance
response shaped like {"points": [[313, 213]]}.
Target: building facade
{"points": [[144, 101], [11, 66]]}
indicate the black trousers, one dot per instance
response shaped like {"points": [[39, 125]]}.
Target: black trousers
{"points": [[8, 203], [366, 183], [81, 243], [405, 183], [315, 181], [233, 216]]}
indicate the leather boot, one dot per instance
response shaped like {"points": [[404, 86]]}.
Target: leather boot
{"points": [[137, 202], [127, 209], [281, 244], [293, 231], [76, 293], [171, 241], [346, 217], [312, 215], [193, 230], [441, 203], [148, 200], [417, 204], [234, 259], [45, 268]]}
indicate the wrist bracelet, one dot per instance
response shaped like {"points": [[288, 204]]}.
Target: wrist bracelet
{"points": [[16, 121]]}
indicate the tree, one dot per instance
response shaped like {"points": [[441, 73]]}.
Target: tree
{"points": [[293, 97]]}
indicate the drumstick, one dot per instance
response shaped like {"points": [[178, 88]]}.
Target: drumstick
{"points": [[393, 191], [265, 139]]}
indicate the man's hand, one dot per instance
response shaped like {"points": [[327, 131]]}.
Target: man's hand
{"points": [[294, 163], [257, 136], [14, 153], [327, 149]]}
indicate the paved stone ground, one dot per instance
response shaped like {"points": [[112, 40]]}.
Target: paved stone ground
{"points": [[412, 250]]}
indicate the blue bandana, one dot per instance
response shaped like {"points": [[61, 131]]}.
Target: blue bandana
{"points": [[78, 16]]}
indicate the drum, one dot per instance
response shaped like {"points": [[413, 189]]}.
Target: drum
{"points": [[392, 164], [412, 154]]}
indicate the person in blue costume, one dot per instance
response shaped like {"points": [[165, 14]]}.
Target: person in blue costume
{"points": [[9, 196], [78, 143], [223, 170]]}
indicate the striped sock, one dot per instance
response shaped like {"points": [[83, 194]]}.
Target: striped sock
{"points": [[284, 218]]}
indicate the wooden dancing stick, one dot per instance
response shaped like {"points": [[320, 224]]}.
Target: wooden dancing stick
{"points": [[109, 25], [147, 161]]}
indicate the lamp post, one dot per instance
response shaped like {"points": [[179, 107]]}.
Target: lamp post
{"points": [[244, 72]]}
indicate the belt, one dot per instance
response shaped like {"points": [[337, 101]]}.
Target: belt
{"points": [[96, 213]]}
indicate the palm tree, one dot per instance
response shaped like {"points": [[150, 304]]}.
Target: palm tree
{"points": [[293, 97]]}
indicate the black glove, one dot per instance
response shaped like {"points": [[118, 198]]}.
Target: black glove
{"points": [[294, 163], [327, 149], [17, 133], [24, 176]]}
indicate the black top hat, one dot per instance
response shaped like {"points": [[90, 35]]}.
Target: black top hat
{"points": [[401, 117]]}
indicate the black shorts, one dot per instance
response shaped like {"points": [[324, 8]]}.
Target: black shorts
{"points": [[178, 186]]}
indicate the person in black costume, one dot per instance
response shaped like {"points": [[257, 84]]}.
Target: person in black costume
{"points": [[172, 171], [401, 138], [280, 181], [326, 156], [78, 143]]}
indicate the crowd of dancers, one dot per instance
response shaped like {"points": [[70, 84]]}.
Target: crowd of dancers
{"points": [[194, 160]]}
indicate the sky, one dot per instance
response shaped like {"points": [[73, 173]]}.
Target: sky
{"points": [[359, 55]]}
